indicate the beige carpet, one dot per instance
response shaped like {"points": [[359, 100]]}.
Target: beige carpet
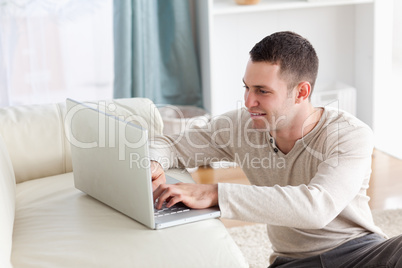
{"points": [[253, 241]]}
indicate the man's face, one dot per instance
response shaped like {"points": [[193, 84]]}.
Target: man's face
{"points": [[266, 96]]}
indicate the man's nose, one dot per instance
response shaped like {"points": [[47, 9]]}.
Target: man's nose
{"points": [[250, 100]]}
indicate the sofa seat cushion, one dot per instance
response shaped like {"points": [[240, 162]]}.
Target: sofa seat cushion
{"points": [[57, 225]]}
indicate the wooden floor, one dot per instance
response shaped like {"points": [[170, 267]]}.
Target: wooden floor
{"points": [[385, 186]]}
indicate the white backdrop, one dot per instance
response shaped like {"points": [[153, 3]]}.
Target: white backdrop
{"points": [[51, 50], [397, 34], [388, 95]]}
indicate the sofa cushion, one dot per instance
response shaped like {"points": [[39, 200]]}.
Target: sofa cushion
{"points": [[56, 225], [7, 205], [36, 140], [34, 136]]}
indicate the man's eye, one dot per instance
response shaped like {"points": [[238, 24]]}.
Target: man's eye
{"points": [[263, 91]]}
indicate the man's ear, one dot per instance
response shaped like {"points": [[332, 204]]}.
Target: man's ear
{"points": [[303, 91]]}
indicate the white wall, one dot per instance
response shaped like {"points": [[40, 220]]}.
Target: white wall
{"points": [[388, 94], [235, 35], [397, 32]]}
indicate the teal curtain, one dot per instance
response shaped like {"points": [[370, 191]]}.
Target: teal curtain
{"points": [[154, 52]]}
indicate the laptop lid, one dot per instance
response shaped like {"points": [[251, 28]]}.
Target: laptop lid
{"points": [[102, 146]]}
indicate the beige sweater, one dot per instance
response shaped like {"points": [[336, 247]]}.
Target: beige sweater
{"points": [[312, 199]]}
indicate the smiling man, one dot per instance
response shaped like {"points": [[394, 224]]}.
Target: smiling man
{"points": [[314, 202]]}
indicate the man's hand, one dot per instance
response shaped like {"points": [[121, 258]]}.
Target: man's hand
{"points": [[158, 175], [192, 195]]}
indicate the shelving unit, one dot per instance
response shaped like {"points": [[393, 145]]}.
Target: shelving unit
{"points": [[340, 30], [222, 7]]}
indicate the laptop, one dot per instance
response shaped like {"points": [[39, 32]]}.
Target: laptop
{"points": [[111, 164]]}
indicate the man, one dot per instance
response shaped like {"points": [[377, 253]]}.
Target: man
{"points": [[309, 167]]}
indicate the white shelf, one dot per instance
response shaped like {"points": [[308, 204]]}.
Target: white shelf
{"points": [[222, 7]]}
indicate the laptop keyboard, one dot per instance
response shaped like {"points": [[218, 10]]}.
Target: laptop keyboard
{"points": [[175, 209]]}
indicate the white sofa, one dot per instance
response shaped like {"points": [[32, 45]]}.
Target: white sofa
{"points": [[46, 222]]}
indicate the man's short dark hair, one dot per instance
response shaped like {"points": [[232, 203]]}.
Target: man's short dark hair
{"points": [[293, 53]]}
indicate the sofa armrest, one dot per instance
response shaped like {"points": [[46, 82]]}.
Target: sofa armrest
{"points": [[7, 205]]}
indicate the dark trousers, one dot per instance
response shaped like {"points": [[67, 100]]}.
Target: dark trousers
{"points": [[368, 251]]}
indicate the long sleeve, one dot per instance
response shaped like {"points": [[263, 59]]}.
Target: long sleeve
{"points": [[196, 146], [340, 177]]}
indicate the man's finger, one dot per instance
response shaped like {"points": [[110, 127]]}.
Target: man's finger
{"points": [[158, 191], [156, 183], [176, 199], [166, 194], [158, 180]]}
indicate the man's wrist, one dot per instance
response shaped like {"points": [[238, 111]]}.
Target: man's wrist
{"points": [[215, 197]]}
